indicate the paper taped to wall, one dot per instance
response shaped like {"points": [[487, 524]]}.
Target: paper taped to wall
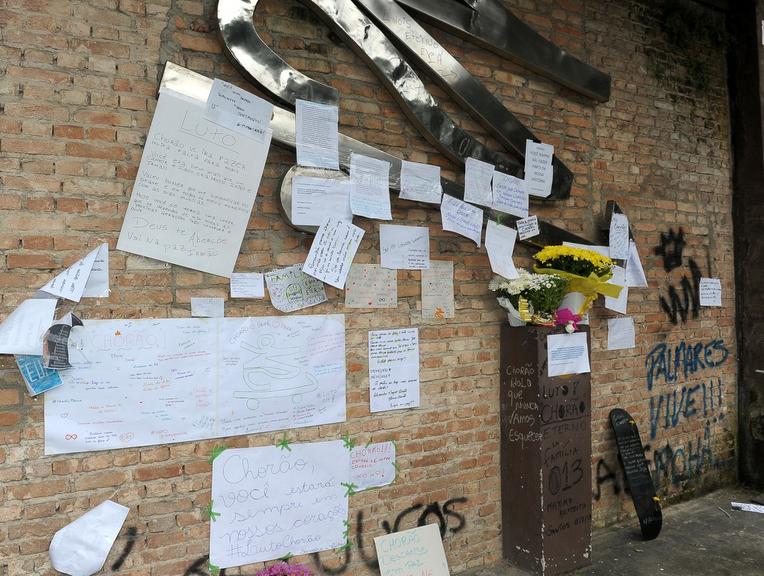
{"points": [[146, 382], [372, 465], [88, 277]]}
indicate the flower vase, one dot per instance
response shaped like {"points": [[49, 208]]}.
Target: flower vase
{"points": [[575, 302]]}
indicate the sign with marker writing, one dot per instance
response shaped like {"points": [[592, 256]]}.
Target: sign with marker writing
{"points": [[404, 247], [292, 289], [538, 168], [528, 227], [619, 237], [332, 251], [710, 292], [509, 195], [372, 465], [415, 552], [270, 502], [393, 369], [239, 110], [462, 218]]}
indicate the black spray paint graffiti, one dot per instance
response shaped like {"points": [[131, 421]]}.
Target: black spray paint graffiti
{"points": [[676, 307], [426, 513]]}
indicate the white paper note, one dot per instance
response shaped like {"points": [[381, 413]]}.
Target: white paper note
{"points": [[239, 110], [619, 237], [207, 307], [275, 502], [420, 182], [195, 189], [618, 304], [415, 552], [462, 218], [292, 289], [538, 168], [567, 354], [97, 285], [371, 286], [317, 135], [509, 195], [438, 290], [81, 547], [404, 247], [332, 252], [247, 285], [73, 282], [620, 333], [745, 507], [710, 292], [315, 199], [393, 369], [635, 274], [500, 244], [160, 381], [477, 182], [22, 331], [372, 465], [528, 227], [370, 187]]}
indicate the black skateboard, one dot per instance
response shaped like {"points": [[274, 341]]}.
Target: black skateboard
{"points": [[638, 478]]}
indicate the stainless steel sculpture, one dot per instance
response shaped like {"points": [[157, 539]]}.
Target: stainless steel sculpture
{"points": [[196, 86]]}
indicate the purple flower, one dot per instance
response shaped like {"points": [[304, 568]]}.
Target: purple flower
{"points": [[284, 569]]}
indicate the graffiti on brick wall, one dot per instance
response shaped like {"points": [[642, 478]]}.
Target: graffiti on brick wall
{"points": [[686, 299], [449, 521], [666, 364]]}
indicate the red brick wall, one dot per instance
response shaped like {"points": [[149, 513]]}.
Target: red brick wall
{"points": [[77, 88]]}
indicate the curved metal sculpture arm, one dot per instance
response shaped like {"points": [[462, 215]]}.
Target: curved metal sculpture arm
{"points": [[424, 51], [195, 86], [287, 84], [490, 25]]}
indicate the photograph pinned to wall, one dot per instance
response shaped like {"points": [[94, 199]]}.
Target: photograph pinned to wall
{"points": [[210, 173], [619, 237], [567, 354], [37, 377], [239, 110], [393, 369], [500, 245], [509, 195], [247, 285], [528, 227], [438, 290], [296, 502], [710, 292], [620, 303], [413, 552], [404, 247], [477, 182], [371, 286], [373, 465], [207, 307], [332, 251], [420, 182], [22, 331], [316, 199], [539, 171], [370, 187], [462, 218], [317, 140], [621, 334], [88, 277], [292, 289]]}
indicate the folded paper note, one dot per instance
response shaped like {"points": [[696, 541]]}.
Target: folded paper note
{"points": [[22, 331], [88, 277]]}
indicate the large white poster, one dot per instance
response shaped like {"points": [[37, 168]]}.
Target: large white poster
{"points": [[195, 189], [144, 382], [271, 502]]}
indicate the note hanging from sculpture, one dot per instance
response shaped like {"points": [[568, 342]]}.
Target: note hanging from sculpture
{"points": [[271, 502], [538, 168], [195, 189], [21, 332], [420, 182], [404, 247], [373, 465], [159, 381], [239, 110], [332, 251], [619, 237], [500, 245], [316, 199], [477, 182], [635, 274], [438, 290], [620, 303], [393, 369], [462, 218], [509, 195], [371, 286], [317, 134], [292, 289], [370, 187], [528, 227], [415, 552]]}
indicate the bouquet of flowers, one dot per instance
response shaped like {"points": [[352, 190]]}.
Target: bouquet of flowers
{"points": [[587, 273], [284, 569], [530, 298]]}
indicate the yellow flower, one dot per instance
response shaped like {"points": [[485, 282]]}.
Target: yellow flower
{"points": [[551, 253]]}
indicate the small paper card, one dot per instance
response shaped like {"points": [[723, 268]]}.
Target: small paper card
{"points": [[238, 110], [404, 247], [528, 227], [207, 307], [247, 285], [538, 168], [710, 292], [477, 182], [567, 354], [415, 552], [620, 333]]}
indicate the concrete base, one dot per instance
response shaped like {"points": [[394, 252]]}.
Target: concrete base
{"points": [[697, 538]]}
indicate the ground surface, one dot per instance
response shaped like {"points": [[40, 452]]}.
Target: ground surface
{"points": [[697, 538]]}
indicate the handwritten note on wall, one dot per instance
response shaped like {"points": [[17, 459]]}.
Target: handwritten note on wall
{"points": [[462, 218], [404, 247], [538, 168], [371, 286], [332, 251], [438, 290], [239, 110], [415, 552], [88, 276], [477, 182], [292, 289], [195, 189], [159, 381], [316, 199], [317, 138], [275, 502], [710, 292], [420, 182], [372, 465], [619, 237], [370, 187], [509, 194], [394, 369]]}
